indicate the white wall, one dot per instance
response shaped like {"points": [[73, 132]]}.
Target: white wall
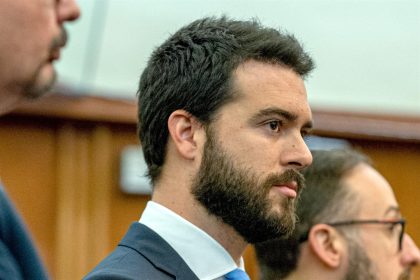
{"points": [[367, 51]]}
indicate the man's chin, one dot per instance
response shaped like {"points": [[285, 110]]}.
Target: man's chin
{"points": [[42, 82], [288, 221]]}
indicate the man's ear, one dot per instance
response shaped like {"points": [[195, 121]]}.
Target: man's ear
{"points": [[327, 244], [183, 129]]}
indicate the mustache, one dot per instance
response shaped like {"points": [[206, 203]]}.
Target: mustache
{"points": [[59, 41], [406, 275], [288, 176]]}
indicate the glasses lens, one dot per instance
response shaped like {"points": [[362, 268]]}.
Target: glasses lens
{"points": [[400, 240], [400, 230], [396, 229]]}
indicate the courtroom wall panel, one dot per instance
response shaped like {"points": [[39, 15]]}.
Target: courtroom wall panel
{"points": [[28, 172]]}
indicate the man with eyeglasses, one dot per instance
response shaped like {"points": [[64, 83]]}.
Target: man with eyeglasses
{"points": [[350, 226]]}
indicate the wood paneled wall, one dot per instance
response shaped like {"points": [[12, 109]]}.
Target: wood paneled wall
{"points": [[60, 164]]}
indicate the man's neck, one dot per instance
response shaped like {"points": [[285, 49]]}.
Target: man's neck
{"points": [[183, 204], [8, 103], [11, 96]]}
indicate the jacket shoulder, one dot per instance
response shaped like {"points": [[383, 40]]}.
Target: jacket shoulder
{"points": [[124, 264]]}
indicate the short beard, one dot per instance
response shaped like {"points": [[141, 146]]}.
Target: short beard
{"points": [[36, 87], [239, 199], [360, 266], [406, 274]]}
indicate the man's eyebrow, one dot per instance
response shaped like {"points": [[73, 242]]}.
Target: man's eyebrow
{"points": [[390, 209], [275, 111], [282, 113]]}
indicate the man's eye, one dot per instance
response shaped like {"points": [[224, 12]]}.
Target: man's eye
{"points": [[274, 125], [393, 228]]}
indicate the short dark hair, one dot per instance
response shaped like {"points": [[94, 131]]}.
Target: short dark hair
{"points": [[192, 71], [325, 199]]}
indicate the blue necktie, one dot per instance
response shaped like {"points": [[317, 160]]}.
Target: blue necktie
{"points": [[237, 274]]}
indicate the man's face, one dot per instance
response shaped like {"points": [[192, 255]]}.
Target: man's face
{"points": [[254, 146], [31, 35], [379, 243], [360, 267]]}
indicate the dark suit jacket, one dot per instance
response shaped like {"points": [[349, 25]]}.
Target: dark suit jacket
{"points": [[142, 254], [18, 258]]}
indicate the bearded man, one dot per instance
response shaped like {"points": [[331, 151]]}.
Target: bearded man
{"points": [[222, 114]]}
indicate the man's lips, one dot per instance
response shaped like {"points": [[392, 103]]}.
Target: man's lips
{"points": [[287, 189], [58, 43], [55, 54]]}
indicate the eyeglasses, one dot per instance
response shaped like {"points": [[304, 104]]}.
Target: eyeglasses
{"points": [[393, 224]]}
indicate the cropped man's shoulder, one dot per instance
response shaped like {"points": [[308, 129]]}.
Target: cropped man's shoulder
{"points": [[142, 254], [126, 263]]}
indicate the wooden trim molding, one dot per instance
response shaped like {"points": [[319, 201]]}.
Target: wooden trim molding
{"points": [[77, 107], [364, 126], [327, 123]]}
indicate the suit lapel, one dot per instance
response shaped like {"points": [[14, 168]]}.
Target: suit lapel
{"points": [[154, 248]]}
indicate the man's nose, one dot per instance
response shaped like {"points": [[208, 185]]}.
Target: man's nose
{"points": [[297, 154], [410, 252], [67, 10]]}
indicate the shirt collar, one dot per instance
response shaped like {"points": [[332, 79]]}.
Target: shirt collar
{"points": [[204, 255]]}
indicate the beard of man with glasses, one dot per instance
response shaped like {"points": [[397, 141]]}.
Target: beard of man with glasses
{"points": [[350, 226]]}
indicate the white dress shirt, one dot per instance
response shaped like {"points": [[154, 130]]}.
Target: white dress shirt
{"points": [[204, 255]]}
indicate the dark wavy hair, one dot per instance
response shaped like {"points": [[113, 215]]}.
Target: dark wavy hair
{"points": [[192, 71]]}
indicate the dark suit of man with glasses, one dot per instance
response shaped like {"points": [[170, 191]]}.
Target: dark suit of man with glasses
{"points": [[350, 226]]}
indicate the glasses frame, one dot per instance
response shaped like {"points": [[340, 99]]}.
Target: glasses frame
{"points": [[401, 222]]}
